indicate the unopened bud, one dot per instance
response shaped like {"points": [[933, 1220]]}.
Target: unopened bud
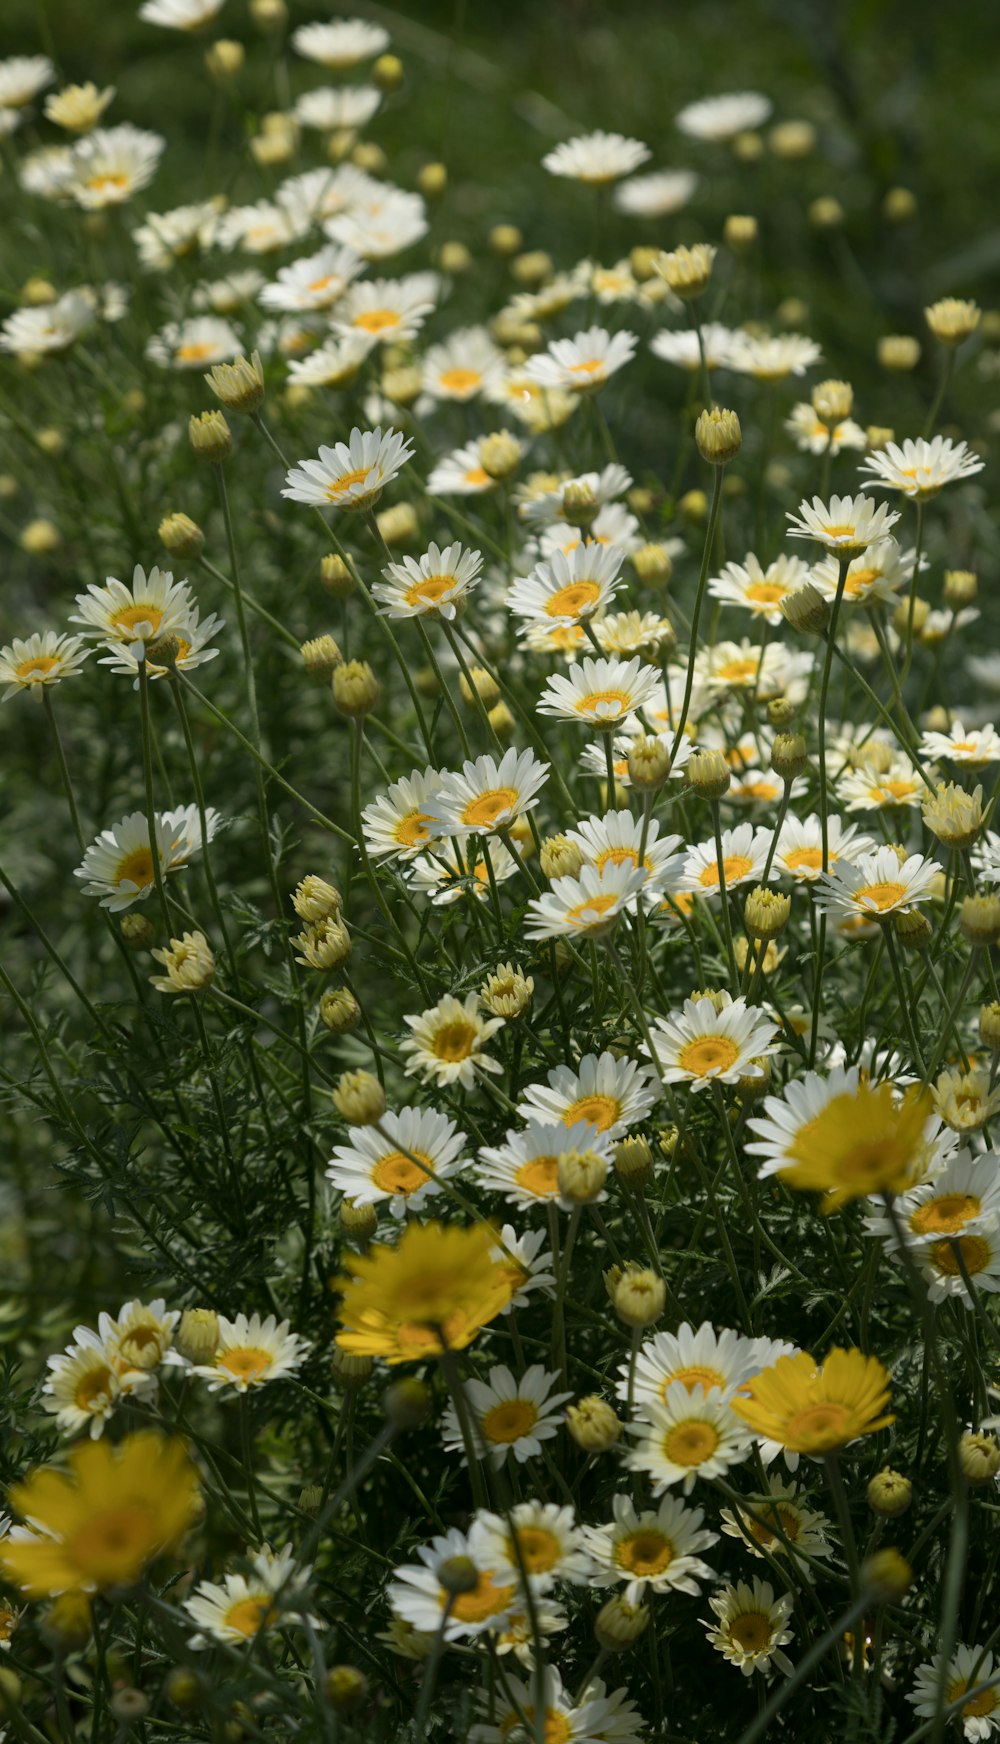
{"points": [[581, 1176], [350, 1371], [960, 588], [320, 655], [339, 1011], [833, 401], [398, 524], [634, 1163], [500, 454], [507, 992], [899, 205], [594, 1424], [898, 352], [653, 563], [979, 1456], [718, 436], [224, 59], [181, 536], [649, 763], [487, 689], [618, 1625], [210, 437], [560, 858], [639, 1297], [505, 239], [687, 271], [913, 929], [359, 1221], [129, 1705], [355, 688], [979, 920], [432, 179], [953, 319], [708, 774], [359, 1098], [137, 932], [407, 1403], [889, 1493], [336, 577], [579, 503], [197, 1335], [457, 1575], [766, 913], [387, 72], [805, 609], [888, 1574], [346, 1688], [989, 1026]]}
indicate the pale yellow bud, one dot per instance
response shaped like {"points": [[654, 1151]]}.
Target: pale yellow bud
{"points": [[40, 538], [320, 655], [325, 944], [501, 720], [989, 1026], [593, 1424], [708, 774], [693, 505], [889, 1493], [581, 1176], [899, 205], [189, 965], [953, 815], [740, 232], [766, 913], [792, 139], [639, 1297], [960, 588], [314, 899], [687, 271], [653, 563], [224, 59], [345, 1688], [388, 73], [748, 147], [505, 239], [833, 401], [507, 992], [953, 319], [618, 1624], [359, 1098], [788, 755], [78, 108], [718, 436], [355, 688], [560, 858], [898, 351], [181, 536], [532, 268], [210, 437], [979, 920], [500, 454], [351, 1371], [197, 1335], [398, 524], [888, 1574], [649, 763], [269, 15], [432, 179], [240, 384], [454, 258], [402, 384], [805, 609], [335, 576], [826, 213], [359, 1222], [487, 689], [339, 1011]]}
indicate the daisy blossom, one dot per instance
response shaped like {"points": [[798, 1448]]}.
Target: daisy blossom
{"points": [[525, 1167], [878, 883], [654, 1551], [250, 1353], [448, 1040], [656, 195], [702, 1045], [920, 469], [846, 525], [45, 658], [599, 693], [434, 585], [744, 856], [398, 1160], [750, 1630], [722, 118], [596, 158], [586, 906], [540, 1537], [759, 591], [687, 1435], [568, 589], [416, 1594], [509, 1415], [604, 1092], [352, 474], [486, 796], [584, 363], [967, 1669]]}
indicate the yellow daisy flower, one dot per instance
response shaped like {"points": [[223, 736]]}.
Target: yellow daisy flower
{"points": [[862, 1142], [815, 1409], [434, 1291]]}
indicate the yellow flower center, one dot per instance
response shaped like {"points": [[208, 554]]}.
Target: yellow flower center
{"points": [[338, 486], [597, 1110], [751, 1630], [486, 1600], [194, 353], [571, 601], [820, 1428], [398, 1174], [431, 588], [410, 829], [707, 1054], [619, 856], [376, 320], [142, 612], [485, 811], [104, 184], [136, 868], [734, 866], [605, 704], [459, 381], [455, 1041], [840, 532], [739, 671], [693, 1375], [858, 580], [644, 1553], [589, 366], [112, 1546], [979, 1706], [765, 593], [248, 1616], [975, 1251], [510, 1420], [539, 1176], [944, 1215], [477, 475], [37, 668], [540, 1549], [890, 790], [691, 1442], [810, 858], [761, 1534], [247, 1363], [883, 895], [590, 911], [558, 1727], [92, 1387]]}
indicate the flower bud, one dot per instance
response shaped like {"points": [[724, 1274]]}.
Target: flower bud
{"points": [[954, 815], [618, 1625], [718, 436], [359, 1221], [788, 755], [899, 205], [11, 1691], [402, 385], [560, 858], [979, 1456], [487, 689], [747, 147], [197, 1335], [826, 213], [501, 720], [653, 563], [766, 913], [336, 577], [913, 929], [432, 179], [224, 59], [898, 352], [339, 1011], [639, 1297], [507, 992], [454, 258], [398, 524], [805, 609], [752, 1085], [269, 15], [708, 774], [314, 899], [532, 268], [960, 588], [407, 1403], [40, 538], [889, 1493], [649, 763], [953, 319], [320, 655], [500, 454], [457, 1575], [346, 1688], [189, 965], [792, 139], [129, 1705], [355, 688], [137, 932], [833, 401], [579, 503], [210, 437], [505, 239], [634, 1163], [349, 1370], [642, 263], [325, 944], [387, 72], [687, 271], [979, 920], [989, 1026], [740, 232], [311, 1499], [581, 1176], [594, 1424], [359, 1098], [185, 1689], [693, 505], [888, 1574], [181, 536]]}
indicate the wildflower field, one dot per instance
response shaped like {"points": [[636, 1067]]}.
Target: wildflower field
{"points": [[499, 891]]}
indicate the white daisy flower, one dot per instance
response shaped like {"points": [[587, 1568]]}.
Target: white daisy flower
{"points": [[846, 525], [395, 824], [754, 787], [154, 606], [385, 311], [541, 1538], [722, 1361], [542, 507], [603, 1092], [165, 237], [250, 1353], [433, 585], [812, 436], [967, 1669], [416, 1594], [52, 327], [526, 1262], [137, 1340], [460, 474], [616, 839], [722, 118], [878, 884], [773, 360], [867, 789], [654, 1551], [525, 1167], [509, 1415], [744, 856], [262, 228], [759, 591], [465, 365], [519, 1634], [42, 660], [194, 344], [118, 866], [485, 796], [800, 846], [764, 670], [750, 1630], [681, 347], [701, 1046], [596, 158], [344, 43], [986, 857], [612, 525], [82, 1387], [595, 1717], [448, 1040], [332, 364], [352, 474], [959, 1200], [975, 746], [584, 363], [447, 873], [314, 282], [111, 164], [384, 224], [689, 1434], [192, 650], [599, 693], [229, 295], [179, 14], [656, 195], [384, 1163], [594, 761], [920, 469], [758, 1521], [586, 906], [568, 589], [329, 109], [22, 77], [877, 574], [627, 633], [242, 1607]]}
